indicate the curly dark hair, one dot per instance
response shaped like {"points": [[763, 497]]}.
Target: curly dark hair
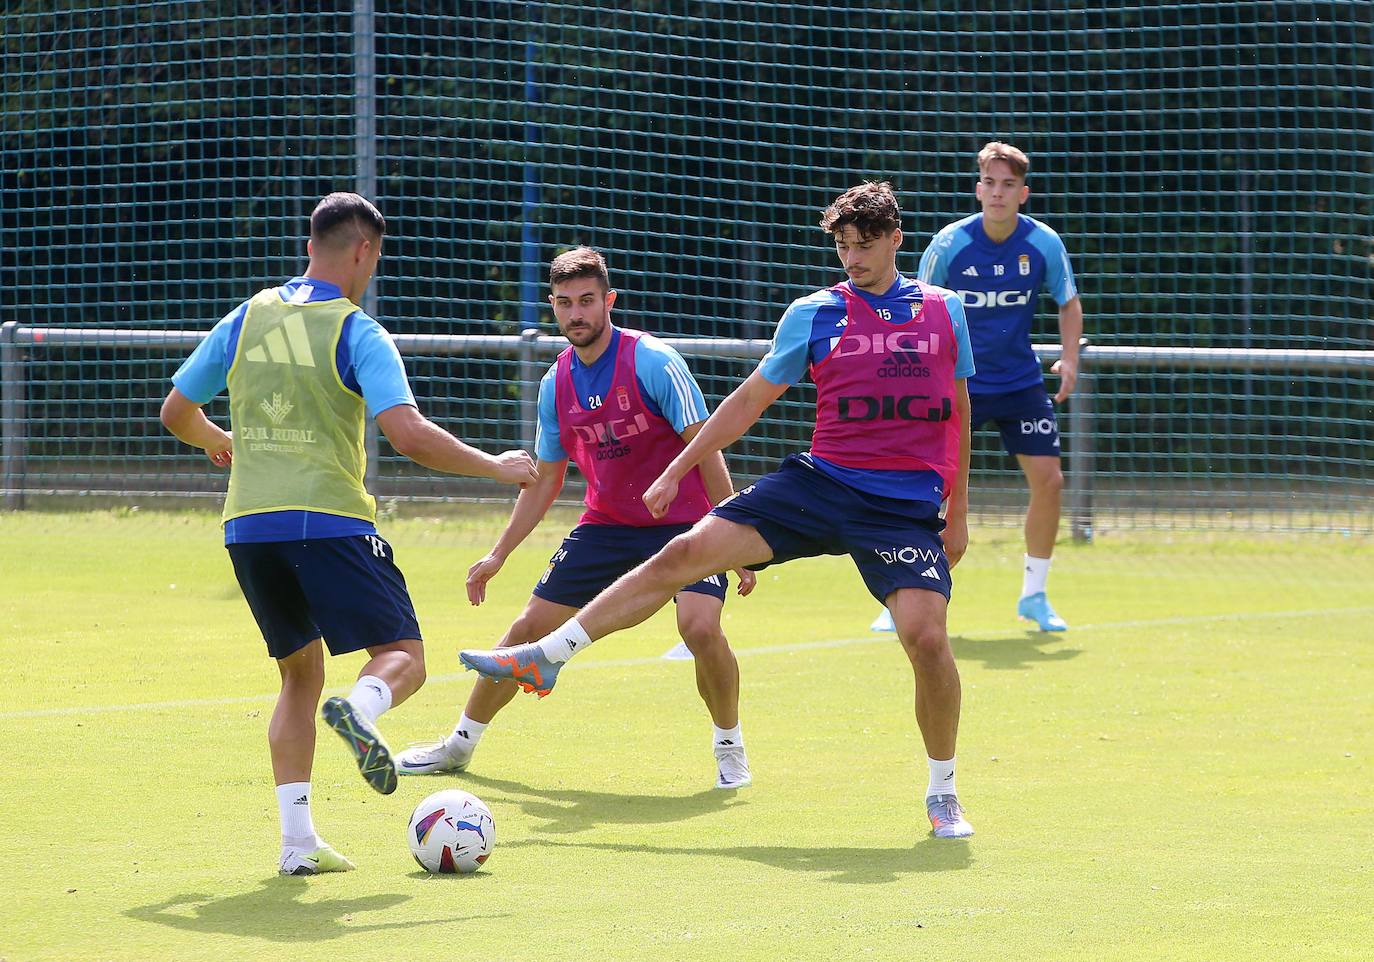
{"points": [[871, 208]]}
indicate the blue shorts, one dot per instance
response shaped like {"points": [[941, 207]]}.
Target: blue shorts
{"points": [[803, 513], [1025, 418], [593, 556], [346, 590]]}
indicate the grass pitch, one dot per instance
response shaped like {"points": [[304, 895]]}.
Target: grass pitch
{"points": [[1186, 774]]}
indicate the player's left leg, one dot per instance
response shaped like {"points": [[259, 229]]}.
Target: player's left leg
{"points": [[291, 738], [267, 574], [920, 617], [1046, 481], [717, 673]]}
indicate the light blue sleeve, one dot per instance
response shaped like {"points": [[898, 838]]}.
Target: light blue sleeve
{"points": [[788, 358], [934, 267], [1058, 274], [963, 364], [664, 374], [206, 372], [547, 446], [378, 366]]}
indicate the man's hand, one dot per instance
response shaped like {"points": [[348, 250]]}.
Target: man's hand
{"points": [[480, 573], [955, 536], [1067, 369], [660, 495], [515, 467], [221, 455], [747, 581]]}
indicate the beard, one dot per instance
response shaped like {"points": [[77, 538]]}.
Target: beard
{"points": [[585, 334]]}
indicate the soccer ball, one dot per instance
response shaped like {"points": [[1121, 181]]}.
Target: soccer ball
{"points": [[451, 831]]}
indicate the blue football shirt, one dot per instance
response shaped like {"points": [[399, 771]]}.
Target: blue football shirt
{"points": [[999, 286]]}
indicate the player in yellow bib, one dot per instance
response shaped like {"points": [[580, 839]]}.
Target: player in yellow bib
{"points": [[304, 367]]}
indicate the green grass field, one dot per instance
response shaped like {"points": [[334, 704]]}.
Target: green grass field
{"points": [[1184, 775]]}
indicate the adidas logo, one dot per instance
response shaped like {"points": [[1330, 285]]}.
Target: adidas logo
{"points": [[970, 271], [303, 800], [291, 348], [463, 734], [724, 742], [931, 573]]}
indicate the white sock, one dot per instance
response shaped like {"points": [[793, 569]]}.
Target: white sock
{"points": [[1037, 573], [561, 644], [466, 733], [297, 828], [370, 697], [726, 738], [941, 777]]}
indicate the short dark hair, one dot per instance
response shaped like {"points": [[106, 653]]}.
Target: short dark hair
{"points": [[871, 207], [579, 262], [340, 217]]}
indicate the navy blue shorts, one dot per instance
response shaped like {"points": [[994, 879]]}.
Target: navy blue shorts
{"points": [[1025, 418], [803, 513], [593, 556], [346, 590]]}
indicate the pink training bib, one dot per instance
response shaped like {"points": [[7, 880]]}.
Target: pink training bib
{"points": [[885, 393], [622, 447]]}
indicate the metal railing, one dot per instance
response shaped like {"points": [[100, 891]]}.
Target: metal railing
{"points": [[532, 350]]}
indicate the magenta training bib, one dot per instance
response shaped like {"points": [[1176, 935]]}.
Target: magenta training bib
{"points": [[885, 393], [622, 447]]}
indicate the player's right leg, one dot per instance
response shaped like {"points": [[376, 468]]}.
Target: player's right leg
{"points": [[712, 545], [454, 752], [359, 598]]}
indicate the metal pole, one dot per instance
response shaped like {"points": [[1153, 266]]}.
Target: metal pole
{"points": [[529, 386], [365, 148], [12, 427], [529, 211], [1247, 273], [1082, 452]]}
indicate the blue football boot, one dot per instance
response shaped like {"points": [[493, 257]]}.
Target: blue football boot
{"points": [[1037, 608], [883, 622], [947, 817], [523, 664]]}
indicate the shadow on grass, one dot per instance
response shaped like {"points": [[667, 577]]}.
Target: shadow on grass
{"points": [[272, 912], [570, 810], [1017, 652], [854, 866]]}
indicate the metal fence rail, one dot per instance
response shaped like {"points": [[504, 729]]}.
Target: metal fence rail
{"points": [[1101, 475]]}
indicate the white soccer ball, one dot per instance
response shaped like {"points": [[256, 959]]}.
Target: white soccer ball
{"points": [[451, 831]]}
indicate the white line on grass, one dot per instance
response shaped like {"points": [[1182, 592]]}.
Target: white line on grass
{"points": [[873, 639]]}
